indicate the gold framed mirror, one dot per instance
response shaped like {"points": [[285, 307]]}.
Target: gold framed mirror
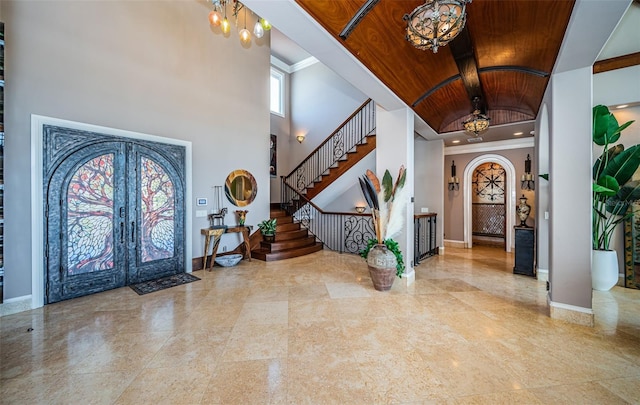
{"points": [[241, 188]]}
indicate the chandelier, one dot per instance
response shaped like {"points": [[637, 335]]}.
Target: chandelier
{"points": [[217, 19], [435, 23], [478, 122]]}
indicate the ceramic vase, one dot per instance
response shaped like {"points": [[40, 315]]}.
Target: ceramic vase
{"points": [[604, 269], [523, 211], [382, 267]]}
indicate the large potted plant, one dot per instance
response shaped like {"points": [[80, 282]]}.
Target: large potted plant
{"points": [[613, 193], [386, 200]]}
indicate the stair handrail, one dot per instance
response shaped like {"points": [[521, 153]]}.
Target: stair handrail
{"points": [[340, 231], [319, 161]]}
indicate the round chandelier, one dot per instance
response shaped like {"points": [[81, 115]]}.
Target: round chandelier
{"points": [[435, 23], [478, 122]]}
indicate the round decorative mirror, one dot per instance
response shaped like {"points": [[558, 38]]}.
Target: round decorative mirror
{"points": [[241, 188]]}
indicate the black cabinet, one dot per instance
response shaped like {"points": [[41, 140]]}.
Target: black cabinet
{"points": [[525, 251]]}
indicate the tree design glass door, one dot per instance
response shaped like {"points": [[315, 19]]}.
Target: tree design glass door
{"points": [[114, 210]]}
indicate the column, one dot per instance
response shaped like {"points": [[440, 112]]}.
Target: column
{"points": [[394, 148]]}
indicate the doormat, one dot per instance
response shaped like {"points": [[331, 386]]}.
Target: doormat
{"points": [[162, 283]]}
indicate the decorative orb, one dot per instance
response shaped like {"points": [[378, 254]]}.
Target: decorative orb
{"points": [[258, 31], [226, 27], [245, 36], [215, 18], [265, 24]]}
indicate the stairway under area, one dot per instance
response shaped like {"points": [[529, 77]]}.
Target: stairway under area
{"points": [[291, 240]]}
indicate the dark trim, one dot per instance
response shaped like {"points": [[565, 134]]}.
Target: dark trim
{"points": [[482, 70], [520, 69], [618, 62], [357, 17], [434, 89]]}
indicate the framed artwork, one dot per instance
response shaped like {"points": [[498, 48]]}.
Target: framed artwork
{"points": [[273, 160]]}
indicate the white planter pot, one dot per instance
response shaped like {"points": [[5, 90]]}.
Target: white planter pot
{"points": [[604, 269]]}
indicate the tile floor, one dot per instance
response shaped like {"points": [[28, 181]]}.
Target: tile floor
{"points": [[312, 330]]}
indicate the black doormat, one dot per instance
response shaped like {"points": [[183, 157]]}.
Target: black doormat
{"points": [[162, 283]]}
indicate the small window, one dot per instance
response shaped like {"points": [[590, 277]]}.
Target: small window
{"points": [[277, 93]]}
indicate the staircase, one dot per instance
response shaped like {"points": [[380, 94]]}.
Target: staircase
{"points": [[342, 166], [291, 240]]}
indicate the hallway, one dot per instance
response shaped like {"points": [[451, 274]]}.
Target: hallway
{"points": [[313, 330]]}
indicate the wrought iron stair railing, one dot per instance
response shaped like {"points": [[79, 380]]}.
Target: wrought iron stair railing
{"points": [[351, 133], [341, 232]]}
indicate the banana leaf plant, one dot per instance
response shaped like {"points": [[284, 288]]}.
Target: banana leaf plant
{"points": [[613, 190]]}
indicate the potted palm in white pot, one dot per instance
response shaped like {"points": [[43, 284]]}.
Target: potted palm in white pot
{"points": [[613, 193], [386, 200]]}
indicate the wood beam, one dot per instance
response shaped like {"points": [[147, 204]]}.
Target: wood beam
{"points": [[619, 62], [462, 51], [357, 17]]}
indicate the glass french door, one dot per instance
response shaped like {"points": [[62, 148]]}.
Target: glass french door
{"points": [[114, 212]]}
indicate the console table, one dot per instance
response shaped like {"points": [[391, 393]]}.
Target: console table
{"points": [[214, 234]]}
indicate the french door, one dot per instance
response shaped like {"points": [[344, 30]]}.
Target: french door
{"points": [[114, 210]]}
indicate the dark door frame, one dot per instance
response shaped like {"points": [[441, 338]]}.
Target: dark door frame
{"points": [[37, 193]]}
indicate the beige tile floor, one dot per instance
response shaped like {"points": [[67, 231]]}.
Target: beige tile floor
{"points": [[312, 330]]}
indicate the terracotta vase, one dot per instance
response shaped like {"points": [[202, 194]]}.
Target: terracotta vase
{"points": [[382, 267]]}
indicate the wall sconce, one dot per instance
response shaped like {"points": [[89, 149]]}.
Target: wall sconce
{"points": [[454, 182], [526, 181], [360, 209], [300, 137]]}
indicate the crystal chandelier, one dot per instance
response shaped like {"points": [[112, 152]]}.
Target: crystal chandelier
{"points": [[216, 19], [435, 23], [478, 122]]}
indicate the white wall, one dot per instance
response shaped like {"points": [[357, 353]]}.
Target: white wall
{"points": [[320, 101], [145, 66], [429, 172]]}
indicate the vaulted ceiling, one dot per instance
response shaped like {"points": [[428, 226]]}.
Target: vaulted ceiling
{"points": [[505, 55]]}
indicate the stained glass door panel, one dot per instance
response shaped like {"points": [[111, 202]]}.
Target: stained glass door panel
{"points": [[90, 217], [157, 246], [114, 211], [85, 209], [158, 208]]}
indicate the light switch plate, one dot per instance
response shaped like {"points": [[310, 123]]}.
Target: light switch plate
{"points": [[423, 209]]}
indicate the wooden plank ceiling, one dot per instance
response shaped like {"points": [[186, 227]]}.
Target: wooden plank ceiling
{"points": [[505, 55]]}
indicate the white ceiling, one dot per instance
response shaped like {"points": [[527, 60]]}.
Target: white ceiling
{"points": [[624, 40]]}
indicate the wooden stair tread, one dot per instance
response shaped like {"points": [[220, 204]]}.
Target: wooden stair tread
{"points": [[263, 254], [288, 244]]}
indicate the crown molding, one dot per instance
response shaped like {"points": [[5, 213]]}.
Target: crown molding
{"points": [[295, 67], [490, 146]]}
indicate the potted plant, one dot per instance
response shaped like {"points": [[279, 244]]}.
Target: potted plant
{"points": [[613, 193], [386, 200], [268, 229]]}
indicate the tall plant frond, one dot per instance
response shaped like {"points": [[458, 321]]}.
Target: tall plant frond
{"points": [[402, 176], [374, 180], [396, 217], [387, 185]]}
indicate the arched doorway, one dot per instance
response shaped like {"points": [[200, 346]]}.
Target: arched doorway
{"points": [[488, 213], [509, 196]]}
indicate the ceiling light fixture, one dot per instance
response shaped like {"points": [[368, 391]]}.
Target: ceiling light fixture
{"points": [[478, 122], [456, 141], [435, 23], [216, 19], [623, 106], [518, 133]]}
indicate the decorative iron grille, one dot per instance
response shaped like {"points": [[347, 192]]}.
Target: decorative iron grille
{"points": [[488, 219]]}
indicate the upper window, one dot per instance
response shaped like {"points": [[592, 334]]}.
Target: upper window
{"points": [[277, 92]]}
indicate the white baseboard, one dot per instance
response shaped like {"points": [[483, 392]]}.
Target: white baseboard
{"points": [[15, 305], [542, 274], [454, 243], [440, 250]]}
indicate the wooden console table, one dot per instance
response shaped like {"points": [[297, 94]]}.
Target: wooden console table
{"points": [[214, 234]]}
